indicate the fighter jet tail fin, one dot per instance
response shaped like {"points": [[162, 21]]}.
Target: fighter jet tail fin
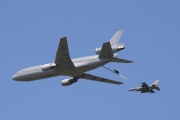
{"points": [[156, 82], [155, 85], [106, 51]]}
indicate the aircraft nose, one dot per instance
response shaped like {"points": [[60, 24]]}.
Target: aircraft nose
{"points": [[16, 77]]}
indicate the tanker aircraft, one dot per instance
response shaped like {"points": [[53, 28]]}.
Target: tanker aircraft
{"points": [[145, 88], [63, 65]]}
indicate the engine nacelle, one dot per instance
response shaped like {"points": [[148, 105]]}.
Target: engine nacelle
{"points": [[47, 67], [114, 48], [67, 82]]}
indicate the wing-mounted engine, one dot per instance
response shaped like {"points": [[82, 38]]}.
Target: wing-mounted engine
{"points": [[49, 66], [114, 48], [69, 81]]}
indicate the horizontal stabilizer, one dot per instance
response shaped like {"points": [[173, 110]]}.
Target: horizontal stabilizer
{"points": [[121, 60]]}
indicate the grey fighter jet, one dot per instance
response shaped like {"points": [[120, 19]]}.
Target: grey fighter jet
{"points": [[145, 88], [63, 65]]}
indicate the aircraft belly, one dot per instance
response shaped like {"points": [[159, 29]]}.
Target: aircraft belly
{"points": [[37, 75], [90, 65]]}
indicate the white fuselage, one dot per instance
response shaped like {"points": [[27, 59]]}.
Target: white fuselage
{"points": [[82, 64]]}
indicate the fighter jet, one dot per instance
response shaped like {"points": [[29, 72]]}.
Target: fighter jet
{"points": [[145, 88], [63, 65]]}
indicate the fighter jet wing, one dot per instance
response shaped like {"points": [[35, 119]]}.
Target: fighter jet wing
{"points": [[144, 85], [96, 78], [62, 58]]}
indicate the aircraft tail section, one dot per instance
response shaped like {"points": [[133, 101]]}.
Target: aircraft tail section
{"points": [[115, 39], [106, 51], [155, 85], [156, 82], [114, 43]]}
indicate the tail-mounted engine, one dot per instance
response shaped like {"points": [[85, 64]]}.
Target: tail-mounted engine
{"points": [[67, 82], [114, 48], [49, 66]]}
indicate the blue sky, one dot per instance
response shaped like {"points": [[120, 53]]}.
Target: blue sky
{"points": [[30, 33]]}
